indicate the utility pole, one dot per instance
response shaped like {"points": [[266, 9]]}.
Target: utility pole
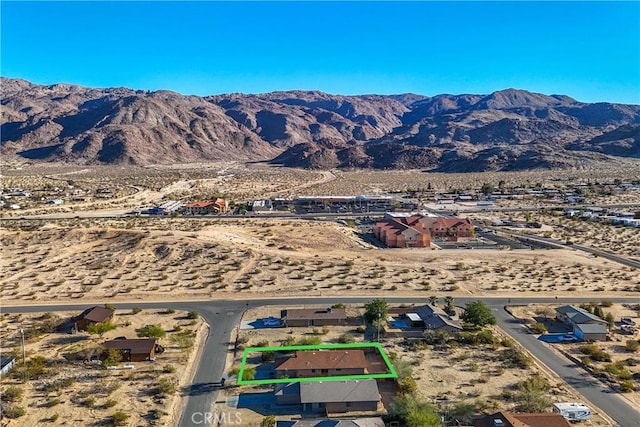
{"points": [[24, 371], [379, 320]]}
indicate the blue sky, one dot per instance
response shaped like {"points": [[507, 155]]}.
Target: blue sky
{"points": [[588, 50]]}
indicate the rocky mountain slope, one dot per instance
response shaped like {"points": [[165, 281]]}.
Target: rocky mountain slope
{"points": [[505, 130]]}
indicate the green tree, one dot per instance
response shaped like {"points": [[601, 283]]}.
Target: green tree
{"points": [[414, 412], [477, 313], [112, 357], [376, 309], [448, 305], [611, 321], [151, 331], [597, 310], [101, 328], [487, 189], [433, 300]]}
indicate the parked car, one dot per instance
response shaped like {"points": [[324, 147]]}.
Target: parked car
{"points": [[628, 321]]}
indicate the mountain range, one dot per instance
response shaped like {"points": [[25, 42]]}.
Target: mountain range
{"points": [[505, 130]]}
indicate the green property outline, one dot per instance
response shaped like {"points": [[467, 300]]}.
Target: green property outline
{"points": [[392, 372]]}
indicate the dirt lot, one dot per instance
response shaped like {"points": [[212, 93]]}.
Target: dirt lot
{"points": [[138, 258], [445, 375], [615, 348], [68, 390]]}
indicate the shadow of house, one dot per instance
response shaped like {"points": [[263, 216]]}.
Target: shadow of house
{"points": [[314, 317], [91, 316]]}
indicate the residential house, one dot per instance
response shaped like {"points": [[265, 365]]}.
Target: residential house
{"points": [[434, 318], [339, 422], [332, 397], [313, 316], [134, 350], [572, 315], [322, 363], [585, 325], [508, 419], [6, 364], [92, 315], [221, 205]]}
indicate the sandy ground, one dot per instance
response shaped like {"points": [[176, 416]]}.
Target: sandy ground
{"points": [[615, 347], [445, 376], [136, 258], [94, 393]]}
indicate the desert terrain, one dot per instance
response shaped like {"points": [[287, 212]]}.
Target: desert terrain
{"points": [[157, 258], [64, 388]]}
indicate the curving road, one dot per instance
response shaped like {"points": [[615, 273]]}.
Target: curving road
{"points": [[224, 315]]}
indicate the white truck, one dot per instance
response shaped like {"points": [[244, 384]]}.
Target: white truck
{"points": [[572, 411]]}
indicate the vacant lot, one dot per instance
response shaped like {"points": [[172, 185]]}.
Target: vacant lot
{"points": [[168, 258]]}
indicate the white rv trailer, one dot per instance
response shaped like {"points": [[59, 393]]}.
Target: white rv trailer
{"points": [[572, 411]]}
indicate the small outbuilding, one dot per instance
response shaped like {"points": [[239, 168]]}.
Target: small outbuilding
{"points": [[92, 315]]}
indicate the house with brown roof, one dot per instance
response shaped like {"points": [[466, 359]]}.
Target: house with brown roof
{"points": [[332, 397], [134, 350], [92, 315], [314, 316], [508, 419], [321, 363]]}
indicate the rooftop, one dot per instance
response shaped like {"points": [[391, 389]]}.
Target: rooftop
{"points": [[135, 346], [339, 391], [97, 314], [324, 359]]}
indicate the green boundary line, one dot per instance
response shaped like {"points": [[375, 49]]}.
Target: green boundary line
{"points": [[392, 372]]}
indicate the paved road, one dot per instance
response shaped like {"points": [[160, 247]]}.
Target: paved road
{"points": [[630, 262], [223, 316]]}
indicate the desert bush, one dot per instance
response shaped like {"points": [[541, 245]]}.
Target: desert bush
{"points": [[595, 353], [168, 369], [13, 411], [118, 418], [12, 394], [165, 386], [626, 386], [346, 339], [632, 346], [539, 328]]}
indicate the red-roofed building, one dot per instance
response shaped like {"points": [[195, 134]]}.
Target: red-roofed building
{"points": [[207, 207], [402, 232], [448, 228], [418, 231]]}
